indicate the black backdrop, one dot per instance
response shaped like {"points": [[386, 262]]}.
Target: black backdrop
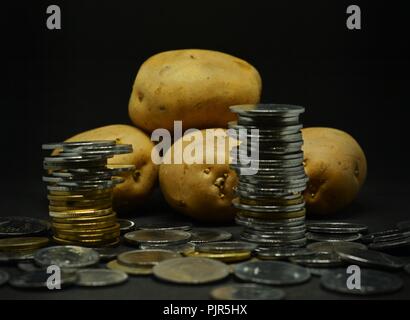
{"points": [[58, 83]]}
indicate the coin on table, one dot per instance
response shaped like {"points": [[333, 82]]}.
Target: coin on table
{"points": [[145, 257], [22, 243], [368, 238], [9, 257], [28, 266], [332, 237], [126, 225], [319, 272], [390, 244], [328, 246], [100, 277], [165, 226], [247, 291], [180, 248], [221, 256], [21, 226], [336, 227], [157, 236], [271, 272], [392, 237], [209, 235], [281, 253], [108, 254], [372, 282], [66, 256], [4, 277], [318, 260], [225, 247], [191, 270], [134, 271], [40, 279], [369, 258]]}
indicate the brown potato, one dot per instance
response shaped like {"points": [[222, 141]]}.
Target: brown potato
{"points": [[336, 167], [202, 191], [138, 185], [195, 86]]}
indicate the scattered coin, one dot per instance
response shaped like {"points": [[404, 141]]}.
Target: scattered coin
{"points": [[11, 257], [272, 272], [247, 292], [319, 272], [208, 235], [21, 226], [372, 282], [332, 237], [221, 256], [225, 247], [157, 237], [318, 260], [332, 246], [100, 277], [4, 277], [390, 244], [336, 227], [180, 248], [22, 243], [66, 256], [39, 279], [28, 266], [108, 254], [369, 258], [281, 253], [166, 226], [137, 258], [368, 238], [135, 271], [126, 225], [191, 270]]}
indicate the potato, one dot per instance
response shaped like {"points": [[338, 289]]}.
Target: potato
{"points": [[195, 86], [202, 191], [138, 184], [336, 166]]}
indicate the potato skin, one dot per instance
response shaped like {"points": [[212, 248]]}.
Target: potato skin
{"points": [[195, 86], [201, 191], [138, 185], [336, 166]]}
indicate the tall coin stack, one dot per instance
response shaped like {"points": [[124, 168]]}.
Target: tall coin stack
{"points": [[80, 187], [270, 201]]}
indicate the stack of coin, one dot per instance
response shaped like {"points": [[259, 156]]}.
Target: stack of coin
{"points": [[80, 185], [270, 187], [334, 231]]}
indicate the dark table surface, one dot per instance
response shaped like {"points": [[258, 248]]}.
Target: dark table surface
{"points": [[380, 206]]}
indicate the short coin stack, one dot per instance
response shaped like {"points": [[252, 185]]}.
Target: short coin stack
{"points": [[270, 201], [80, 186]]}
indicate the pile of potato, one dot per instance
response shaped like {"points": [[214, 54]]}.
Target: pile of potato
{"points": [[197, 87]]}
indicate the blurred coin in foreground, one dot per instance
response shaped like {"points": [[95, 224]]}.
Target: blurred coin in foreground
{"points": [[137, 258], [39, 279], [100, 277], [247, 292], [66, 256], [4, 277], [369, 258], [21, 226], [328, 247], [209, 235], [134, 271]]}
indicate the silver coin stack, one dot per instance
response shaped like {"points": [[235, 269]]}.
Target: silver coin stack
{"points": [[80, 186], [270, 201]]}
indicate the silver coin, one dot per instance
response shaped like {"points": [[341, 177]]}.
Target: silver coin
{"points": [[332, 237], [225, 246], [385, 245], [391, 237], [299, 242], [137, 258], [66, 257], [262, 208], [403, 225], [372, 282], [191, 270], [271, 272], [264, 109], [277, 234], [254, 222], [4, 277], [10, 257], [369, 258], [247, 291], [209, 235], [60, 145], [165, 226], [157, 236], [318, 260], [281, 253], [268, 191], [180, 248], [40, 279], [21, 226], [371, 236], [108, 254], [336, 227], [100, 277], [126, 225], [329, 247], [28, 266], [319, 272]]}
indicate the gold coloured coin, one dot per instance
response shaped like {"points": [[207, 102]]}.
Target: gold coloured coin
{"points": [[114, 228], [86, 219], [86, 208], [81, 203], [225, 257], [80, 213], [85, 193], [80, 197], [272, 202], [137, 258], [272, 216], [134, 271], [83, 226], [88, 243], [22, 243], [82, 237]]}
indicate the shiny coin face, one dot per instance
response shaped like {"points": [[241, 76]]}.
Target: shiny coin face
{"points": [[329, 247], [66, 257], [332, 237], [100, 277], [151, 257], [247, 292], [225, 246], [281, 253], [372, 282], [191, 270], [134, 271], [272, 272], [21, 226], [209, 235], [126, 225], [166, 226], [180, 248], [157, 236], [336, 227], [23, 243], [39, 279], [369, 258], [318, 260], [4, 277]]}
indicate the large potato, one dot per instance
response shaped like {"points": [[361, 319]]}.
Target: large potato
{"points": [[139, 183], [202, 191], [336, 166], [195, 86]]}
